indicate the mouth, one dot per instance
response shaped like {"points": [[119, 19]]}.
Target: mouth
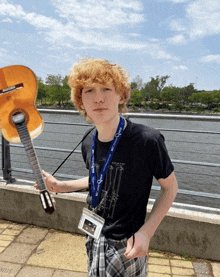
{"points": [[100, 109]]}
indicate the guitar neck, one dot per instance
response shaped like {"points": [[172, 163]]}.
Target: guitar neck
{"points": [[29, 148], [20, 123]]}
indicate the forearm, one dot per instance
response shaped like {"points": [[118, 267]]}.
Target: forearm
{"points": [[73, 185], [160, 208]]}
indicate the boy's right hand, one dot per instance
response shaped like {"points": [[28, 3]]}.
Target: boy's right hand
{"points": [[50, 182]]}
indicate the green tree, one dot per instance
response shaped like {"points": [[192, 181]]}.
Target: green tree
{"points": [[42, 92], [187, 92], [216, 97], [58, 89], [133, 86], [202, 97], [195, 98], [136, 98], [154, 87], [171, 94], [206, 98]]}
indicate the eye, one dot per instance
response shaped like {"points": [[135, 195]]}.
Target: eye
{"points": [[106, 89], [89, 90]]}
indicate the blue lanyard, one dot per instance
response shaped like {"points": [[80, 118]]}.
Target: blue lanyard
{"points": [[96, 184]]}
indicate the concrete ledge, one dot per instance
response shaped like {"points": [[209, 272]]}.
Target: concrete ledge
{"points": [[182, 231]]}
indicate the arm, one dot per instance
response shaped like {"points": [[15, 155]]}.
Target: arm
{"points": [[54, 185], [161, 206]]}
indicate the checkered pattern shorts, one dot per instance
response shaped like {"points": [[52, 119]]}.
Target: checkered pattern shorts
{"points": [[106, 259]]}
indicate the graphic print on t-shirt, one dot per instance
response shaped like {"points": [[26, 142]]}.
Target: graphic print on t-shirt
{"points": [[110, 188]]}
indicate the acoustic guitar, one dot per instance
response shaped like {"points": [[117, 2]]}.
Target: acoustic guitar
{"points": [[20, 120]]}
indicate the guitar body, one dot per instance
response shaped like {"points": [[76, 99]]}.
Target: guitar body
{"points": [[18, 91]]}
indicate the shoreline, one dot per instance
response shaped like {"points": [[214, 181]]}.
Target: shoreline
{"points": [[138, 110]]}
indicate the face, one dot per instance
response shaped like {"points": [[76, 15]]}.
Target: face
{"points": [[101, 102]]}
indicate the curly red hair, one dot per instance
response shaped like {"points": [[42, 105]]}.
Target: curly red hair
{"points": [[89, 71]]}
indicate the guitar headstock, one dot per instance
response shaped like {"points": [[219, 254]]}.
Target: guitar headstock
{"points": [[47, 201]]}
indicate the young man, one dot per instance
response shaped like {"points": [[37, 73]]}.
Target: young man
{"points": [[122, 158]]}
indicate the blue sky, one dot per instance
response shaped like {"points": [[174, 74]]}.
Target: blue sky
{"points": [[179, 38]]}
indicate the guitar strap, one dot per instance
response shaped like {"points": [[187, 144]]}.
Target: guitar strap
{"points": [[126, 117], [72, 151]]}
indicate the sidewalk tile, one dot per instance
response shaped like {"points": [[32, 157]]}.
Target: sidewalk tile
{"points": [[17, 252], [4, 243], [180, 263], [158, 261], [16, 226], [65, 273], [157, 275], [4, 225], [183, 271], [154, 254], [30, 271], [7, 237], [32, 235], [158, 269], [9, 269], [11, 232], [201, 268], [216, 269], [62, 251]]}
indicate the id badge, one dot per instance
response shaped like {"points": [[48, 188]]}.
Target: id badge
{"points": [[91, 223]]}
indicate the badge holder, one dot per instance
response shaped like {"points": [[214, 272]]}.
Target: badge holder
{"points": [[91, 223]]}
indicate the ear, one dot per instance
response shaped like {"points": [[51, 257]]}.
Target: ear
{"points": [[122, 100], [82, 107]]}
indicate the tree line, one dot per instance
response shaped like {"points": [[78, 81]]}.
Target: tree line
{"points": [[156, 95], [152, 95], [55, 90]]}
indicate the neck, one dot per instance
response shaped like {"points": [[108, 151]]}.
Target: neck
{"points": [[107, 130]]}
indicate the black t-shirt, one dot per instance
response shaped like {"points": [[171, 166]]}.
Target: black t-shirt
{"points": [[140, 154]]}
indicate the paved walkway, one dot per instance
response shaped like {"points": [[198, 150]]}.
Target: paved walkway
{"points": [[29, 251]]}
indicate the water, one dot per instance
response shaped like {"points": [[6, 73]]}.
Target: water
{"points": [[181, 146]]}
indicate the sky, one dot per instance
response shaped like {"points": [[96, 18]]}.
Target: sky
{"points": [[149, 38]]}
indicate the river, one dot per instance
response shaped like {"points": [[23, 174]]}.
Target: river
{"points": [[184, 146]]}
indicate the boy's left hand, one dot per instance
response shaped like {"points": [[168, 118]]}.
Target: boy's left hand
{"points": [[140, 246]]}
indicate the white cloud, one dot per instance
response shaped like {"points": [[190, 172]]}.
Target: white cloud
{"points": [[211, 59], [101, 14], [77, 31], [153, 40], [204, 17], [177, 25], [181, 67], [178, 39], [7, 20], [157, 53], [179, 1], [134, 35]]}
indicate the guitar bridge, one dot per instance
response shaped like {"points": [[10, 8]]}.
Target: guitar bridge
{"points": [[12, 88]]}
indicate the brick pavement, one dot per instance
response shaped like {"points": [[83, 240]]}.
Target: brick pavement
{"points": [[29, 251]]}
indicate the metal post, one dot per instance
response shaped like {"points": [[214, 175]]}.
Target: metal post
{"points": [[6, 162]]}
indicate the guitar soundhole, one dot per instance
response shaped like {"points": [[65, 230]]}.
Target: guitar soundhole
{"points": [[18, 111]]}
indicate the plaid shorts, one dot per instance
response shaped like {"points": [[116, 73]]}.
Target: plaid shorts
{"points": [[106, 259]]}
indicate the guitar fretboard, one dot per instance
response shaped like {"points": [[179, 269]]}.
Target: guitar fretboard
{"points": [[28, 145]]}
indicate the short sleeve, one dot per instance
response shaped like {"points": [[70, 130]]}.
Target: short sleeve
{"points": [[160, 162]]}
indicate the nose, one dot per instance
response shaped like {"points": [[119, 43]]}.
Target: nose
{"points": [[99, 95]]}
